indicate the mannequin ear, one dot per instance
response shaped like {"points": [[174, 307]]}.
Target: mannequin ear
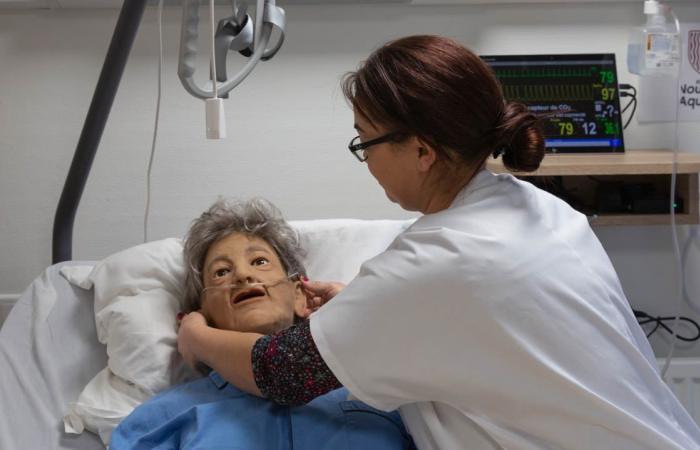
{"points": [[300, 306], [202, 302], [205, 310], [426, 156]]}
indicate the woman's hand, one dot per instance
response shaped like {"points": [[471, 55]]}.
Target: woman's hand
{"points": [[190, 325], [319, 293]]}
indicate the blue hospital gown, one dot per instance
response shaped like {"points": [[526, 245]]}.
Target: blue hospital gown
{"points": [[211, 414]]}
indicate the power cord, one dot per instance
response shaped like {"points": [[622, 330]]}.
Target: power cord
{"points": [[644, 319], [624, 92]]}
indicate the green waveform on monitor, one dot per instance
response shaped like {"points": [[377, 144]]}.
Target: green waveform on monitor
{"points": [[548, 92], [553, 72]]}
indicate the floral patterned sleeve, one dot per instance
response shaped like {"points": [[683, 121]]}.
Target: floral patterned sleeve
{"points": [[288, 368]]}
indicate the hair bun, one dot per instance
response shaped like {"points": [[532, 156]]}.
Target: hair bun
{"points": [[522, 138]]}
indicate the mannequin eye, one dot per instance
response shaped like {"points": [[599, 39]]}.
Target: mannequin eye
{"points": [[260, 261], [220, 273]]}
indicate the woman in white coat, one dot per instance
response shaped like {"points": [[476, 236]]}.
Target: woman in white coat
{"points": [[496, 320]]}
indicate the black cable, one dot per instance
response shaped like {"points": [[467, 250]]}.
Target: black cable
{"points": [[628, 87], [644, 319], [624, 86], [634, 109]]}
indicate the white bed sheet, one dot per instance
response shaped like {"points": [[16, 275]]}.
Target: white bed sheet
{"points": [[48, 353]]}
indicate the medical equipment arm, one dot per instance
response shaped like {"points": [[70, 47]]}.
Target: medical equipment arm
{"points": [[268, 14]]}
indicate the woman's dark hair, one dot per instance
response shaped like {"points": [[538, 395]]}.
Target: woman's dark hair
{"points": [[438, 90]]}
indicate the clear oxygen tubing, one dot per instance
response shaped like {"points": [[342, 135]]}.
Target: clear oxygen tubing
{"points": [[680, 279], [241, 286], [157, 121], [268, 15]]}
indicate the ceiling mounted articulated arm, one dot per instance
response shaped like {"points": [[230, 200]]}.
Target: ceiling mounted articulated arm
{"points": [[236, 33]]}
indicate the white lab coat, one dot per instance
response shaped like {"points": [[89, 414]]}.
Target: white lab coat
{"points": [[500, 323]]}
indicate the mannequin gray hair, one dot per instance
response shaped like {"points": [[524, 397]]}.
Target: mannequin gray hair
{"points": [[256, 217]]}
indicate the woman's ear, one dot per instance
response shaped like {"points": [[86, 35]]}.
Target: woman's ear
{"points": [[426, 156], [301, 308]]}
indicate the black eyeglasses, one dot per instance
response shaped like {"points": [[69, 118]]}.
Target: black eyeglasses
{"points": [[359, 149]]}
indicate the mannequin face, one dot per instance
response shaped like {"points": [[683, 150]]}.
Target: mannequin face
{"points": [[241, 259]]}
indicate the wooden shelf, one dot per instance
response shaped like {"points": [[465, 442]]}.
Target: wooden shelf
{"points": [[634, 166], [632, 162]]}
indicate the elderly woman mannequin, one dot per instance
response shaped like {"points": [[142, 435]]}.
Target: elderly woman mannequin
{"points": [[496, 320], [243, 263]]}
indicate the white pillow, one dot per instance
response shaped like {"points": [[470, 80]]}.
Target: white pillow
{"points": [[105, 401], [336, 248], [139, 291]]}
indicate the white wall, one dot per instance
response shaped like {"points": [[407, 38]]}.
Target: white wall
{"points": [[288, 125]]}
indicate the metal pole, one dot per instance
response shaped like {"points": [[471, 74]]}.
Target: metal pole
{"points": [[107, 85]]}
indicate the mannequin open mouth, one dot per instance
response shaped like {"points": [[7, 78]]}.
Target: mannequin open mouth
{"points": [[248, 294]]}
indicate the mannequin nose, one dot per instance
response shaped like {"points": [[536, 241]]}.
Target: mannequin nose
{"points": [[244, 276]]}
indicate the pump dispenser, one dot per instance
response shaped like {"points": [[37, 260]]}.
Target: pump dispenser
{"points": [[654, 49]]}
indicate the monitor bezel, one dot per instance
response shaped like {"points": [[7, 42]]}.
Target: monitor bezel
{"points": [[560, 58]]}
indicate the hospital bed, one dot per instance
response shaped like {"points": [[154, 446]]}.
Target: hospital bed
{"points": [[48, 353], [49, 349]]}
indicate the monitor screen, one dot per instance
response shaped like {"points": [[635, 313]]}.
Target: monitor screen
{"points": [[576, 96]]}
